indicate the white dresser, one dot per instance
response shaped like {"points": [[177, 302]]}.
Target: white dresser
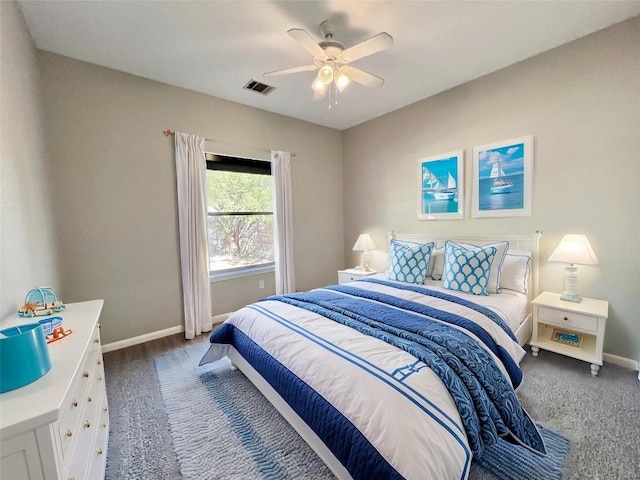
{"points": [[58, 426]]}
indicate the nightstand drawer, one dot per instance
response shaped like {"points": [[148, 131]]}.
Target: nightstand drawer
{"points": [[347, 277], [567, 319]]}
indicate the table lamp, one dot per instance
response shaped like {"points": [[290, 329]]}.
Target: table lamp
{"points": [[364, 244], [573, 249]]}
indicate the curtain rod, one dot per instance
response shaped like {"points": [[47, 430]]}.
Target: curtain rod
{"points": [[169, 133]]}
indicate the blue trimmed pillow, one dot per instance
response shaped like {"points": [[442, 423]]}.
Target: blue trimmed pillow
{"points": [[467, 270], [436, 265], [515, 272], [408, 261], [493, 284]]}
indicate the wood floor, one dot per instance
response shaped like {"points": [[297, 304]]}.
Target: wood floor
{"points": [[154, 348]]}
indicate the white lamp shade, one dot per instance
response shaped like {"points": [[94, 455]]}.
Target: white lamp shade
{"points": [[574, 249], [318, 86], [341, 80], [364, 243]]}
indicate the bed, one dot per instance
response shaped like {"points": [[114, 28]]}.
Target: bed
{"points": [[404, 374]]}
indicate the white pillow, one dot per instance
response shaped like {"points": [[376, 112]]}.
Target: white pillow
{"points": [[515, 272], [493, 286], [436, 265]]}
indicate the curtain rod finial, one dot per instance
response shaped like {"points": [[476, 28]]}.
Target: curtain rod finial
{"points": [[168, 133]]}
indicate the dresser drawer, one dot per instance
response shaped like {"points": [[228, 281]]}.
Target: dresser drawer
{"points": [[563, 318], [68, 427]]}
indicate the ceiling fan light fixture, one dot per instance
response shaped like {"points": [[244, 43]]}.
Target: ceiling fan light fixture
{"points": [[342, 80], [319, 86], [325, 74]]}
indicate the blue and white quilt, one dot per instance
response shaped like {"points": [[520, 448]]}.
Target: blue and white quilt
{"points": [[399, 380]]}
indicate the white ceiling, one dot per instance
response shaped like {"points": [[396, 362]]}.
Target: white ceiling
{"points": [[216, 47]]}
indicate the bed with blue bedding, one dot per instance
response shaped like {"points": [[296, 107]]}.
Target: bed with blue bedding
{"points": [[385, 379]]}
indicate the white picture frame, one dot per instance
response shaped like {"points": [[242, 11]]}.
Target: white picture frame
{"points": [[441, 186], [503, 178]]}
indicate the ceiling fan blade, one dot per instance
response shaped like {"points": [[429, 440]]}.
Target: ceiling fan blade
{"points": [[308, 43], [362, 77], [368, 47], [305, 68]]}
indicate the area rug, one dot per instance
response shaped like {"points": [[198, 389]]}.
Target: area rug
{"points": [[222, 428]]}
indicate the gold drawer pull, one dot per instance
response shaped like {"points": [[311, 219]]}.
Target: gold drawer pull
{"points": [[74, 402], [86, 424], [565, 318], [68, 433], [85, 374], [99, 451]]}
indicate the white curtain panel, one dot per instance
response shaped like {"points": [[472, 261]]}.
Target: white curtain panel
{"points": [[191, 173], [283, 228]]}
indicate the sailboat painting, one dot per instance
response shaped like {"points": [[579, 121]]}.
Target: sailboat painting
{"points": [[440, 186], [502, 174]]}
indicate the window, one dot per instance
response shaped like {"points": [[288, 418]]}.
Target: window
{"points": [[240, 214]]}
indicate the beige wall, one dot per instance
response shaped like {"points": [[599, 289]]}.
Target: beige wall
{"points": [[27, 239], [581, 101], [115, 191]]}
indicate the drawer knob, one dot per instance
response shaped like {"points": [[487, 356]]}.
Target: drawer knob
{"points": [[68, 433], [74, 403], [86, 424], [104, 425], [99, 377], [89, 399], [97, 340], [85, 374], [72, 478], [565, 318], [99, 451], [104, 409], [99, 362]]}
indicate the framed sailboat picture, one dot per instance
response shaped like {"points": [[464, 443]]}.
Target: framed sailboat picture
{"points": [[441, 187], [502, 178]]}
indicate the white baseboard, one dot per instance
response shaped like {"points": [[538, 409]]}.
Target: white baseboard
{"points": [[147, 337], [216, 319], [621, 361]]}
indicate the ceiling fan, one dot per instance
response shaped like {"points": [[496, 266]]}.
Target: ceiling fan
{"points": [[332, 60]]}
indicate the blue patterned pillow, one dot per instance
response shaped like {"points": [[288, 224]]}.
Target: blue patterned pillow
{"points": [[467, 270], [496, 267], [409, 262]]}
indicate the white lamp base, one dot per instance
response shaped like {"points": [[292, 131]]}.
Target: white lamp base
{"points": [[570, 285], [366, 256], [571, 298]]}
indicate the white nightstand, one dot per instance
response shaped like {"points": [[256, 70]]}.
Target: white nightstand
{"points": [[584, 322], [351, 274]]}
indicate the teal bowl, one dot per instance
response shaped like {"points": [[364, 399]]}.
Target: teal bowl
{"points": [[24, 356]]}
